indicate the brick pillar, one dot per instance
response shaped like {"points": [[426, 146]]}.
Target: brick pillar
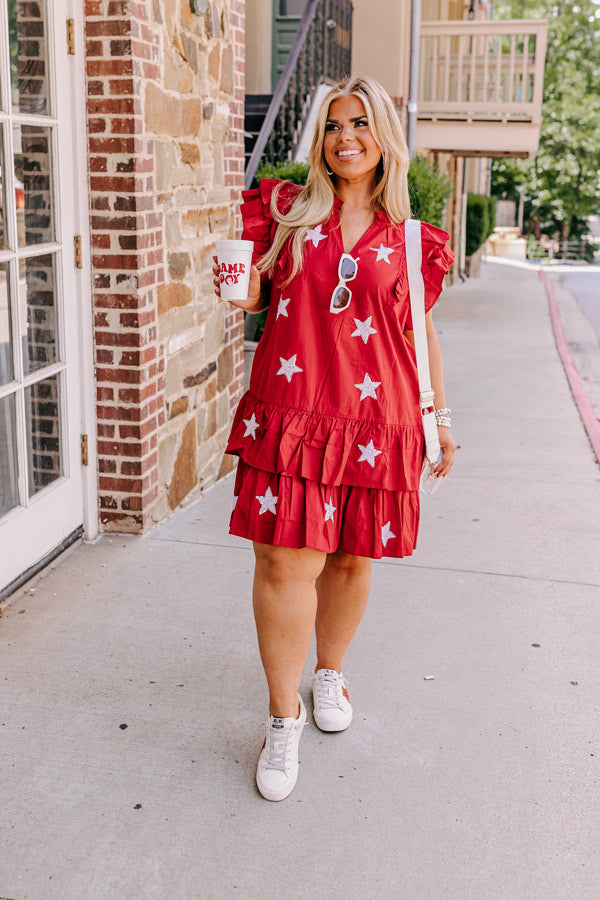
{"points": [[127, 259]]}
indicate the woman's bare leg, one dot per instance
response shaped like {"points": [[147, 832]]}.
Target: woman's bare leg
{"points": [[285, 603], [342, 592]]}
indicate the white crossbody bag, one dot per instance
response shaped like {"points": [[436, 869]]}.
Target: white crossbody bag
{"points": [[416, 289]]}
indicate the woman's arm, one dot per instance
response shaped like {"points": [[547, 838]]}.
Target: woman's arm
{"points": [[437, 383]]}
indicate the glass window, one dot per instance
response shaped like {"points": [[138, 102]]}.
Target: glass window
{"points": [[37, 300], [292, 7], [33, 184], [9, 488], [42, 409], [2, 213], [6, 357], [27, 38]]}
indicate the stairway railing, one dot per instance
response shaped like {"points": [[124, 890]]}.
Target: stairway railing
{"points": [[321, 51]]}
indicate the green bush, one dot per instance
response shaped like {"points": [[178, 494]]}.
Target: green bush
{"points": [[481, 220], [534, 250], [428, 190], [296, 172], [492, 205], [589, 253], [476, 222]]}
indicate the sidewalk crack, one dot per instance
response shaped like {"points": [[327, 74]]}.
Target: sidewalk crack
{"points": [[388, 562]]}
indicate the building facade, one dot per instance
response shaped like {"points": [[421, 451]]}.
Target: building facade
{"points": [[122, 164], [480, 81]]}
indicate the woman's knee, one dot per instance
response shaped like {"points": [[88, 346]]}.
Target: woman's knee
{"points": [[281, 564], [347, 563]]}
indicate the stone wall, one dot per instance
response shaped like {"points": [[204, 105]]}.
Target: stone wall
{"points": [[165, 123], [196, 114]]}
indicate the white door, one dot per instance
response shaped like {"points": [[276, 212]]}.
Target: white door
{"points": [[41, 381]]}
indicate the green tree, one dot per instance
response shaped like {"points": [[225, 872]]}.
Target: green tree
{"points": [[561, 186], [428, 190]]}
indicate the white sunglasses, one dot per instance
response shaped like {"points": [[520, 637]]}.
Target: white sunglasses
{"points": [[342, 295]]}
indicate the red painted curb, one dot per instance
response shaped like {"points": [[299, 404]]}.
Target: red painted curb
{"points": [[584, 405]]}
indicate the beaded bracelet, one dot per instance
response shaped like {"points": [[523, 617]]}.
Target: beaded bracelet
{"points": [[442, 417]]}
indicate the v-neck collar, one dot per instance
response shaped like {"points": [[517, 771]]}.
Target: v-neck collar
{"points": [[379, 216]]}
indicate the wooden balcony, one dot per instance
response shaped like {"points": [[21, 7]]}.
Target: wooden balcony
{"points": [[481, 86]]}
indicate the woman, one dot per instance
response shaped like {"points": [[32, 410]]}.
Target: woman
{"points": [[329, 436]]}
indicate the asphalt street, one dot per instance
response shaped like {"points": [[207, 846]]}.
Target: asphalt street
{"points": [[577, 293], [585, 286]]}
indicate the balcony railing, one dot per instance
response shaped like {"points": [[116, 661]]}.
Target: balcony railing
{"points": [[482, 70]]}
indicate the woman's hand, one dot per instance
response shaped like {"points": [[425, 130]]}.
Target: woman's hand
{"points": [[254, 302], [448, 449]]}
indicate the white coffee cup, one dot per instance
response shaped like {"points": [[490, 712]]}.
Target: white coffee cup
{"points": [[235, 260]]}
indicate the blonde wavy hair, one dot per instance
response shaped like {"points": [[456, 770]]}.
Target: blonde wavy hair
{"points": [[315, 202]]}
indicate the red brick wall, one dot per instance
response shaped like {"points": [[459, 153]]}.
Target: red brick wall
{"points": [[127, 259]]}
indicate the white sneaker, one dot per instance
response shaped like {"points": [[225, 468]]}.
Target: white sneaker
{"points": [[277, 770], [331, 704]]}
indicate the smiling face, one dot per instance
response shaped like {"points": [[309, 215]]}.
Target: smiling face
{"points": [[350, 149]]}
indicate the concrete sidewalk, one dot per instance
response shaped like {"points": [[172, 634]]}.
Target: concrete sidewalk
{"points": [[481, 783]]}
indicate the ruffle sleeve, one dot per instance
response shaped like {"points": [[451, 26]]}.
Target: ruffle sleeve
{"points": [[438, 259], [258, 223]]}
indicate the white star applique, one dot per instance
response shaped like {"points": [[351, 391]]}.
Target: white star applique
{"points": [[282, 308], [368, 453], [386, 533], [315, 235], [363, 329], [251, 426], [267, 503], [329, 510], [368, 387], [288, 367], [383, 253]]}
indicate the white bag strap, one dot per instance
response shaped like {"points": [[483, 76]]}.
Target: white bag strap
{"points": [[416, 289]]}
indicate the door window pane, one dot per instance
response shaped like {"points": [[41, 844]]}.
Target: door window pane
{"points": [[26, 29], [6, 362], [42, 409], [9, 490], [33, 184], [292, 7], [38, 311], [2, 213]]}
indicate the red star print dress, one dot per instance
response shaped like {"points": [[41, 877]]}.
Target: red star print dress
{"points": [[329, 437]]}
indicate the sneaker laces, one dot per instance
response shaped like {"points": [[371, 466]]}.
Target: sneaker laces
{"points": [[329, 690], [278, 744]]}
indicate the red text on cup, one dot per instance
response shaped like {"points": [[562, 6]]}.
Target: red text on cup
{"points": [[230, 272]]}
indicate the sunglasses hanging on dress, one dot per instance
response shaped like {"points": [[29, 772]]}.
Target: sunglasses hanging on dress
{"points": [[342, 295]]}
